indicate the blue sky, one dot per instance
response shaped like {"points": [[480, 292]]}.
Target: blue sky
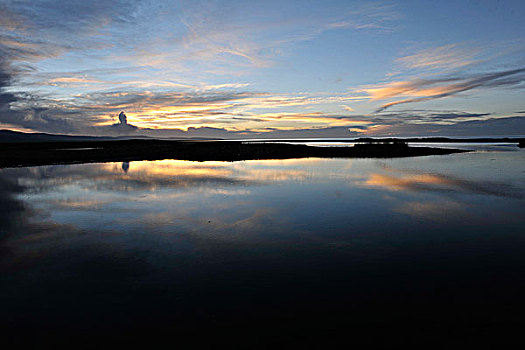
{"points": [[263, 68]]}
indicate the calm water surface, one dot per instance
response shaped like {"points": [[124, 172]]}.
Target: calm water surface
{"points": [[416, 246]]}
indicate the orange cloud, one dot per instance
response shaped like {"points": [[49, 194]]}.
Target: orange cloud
{"points": [[420, 90], [74, 80]]}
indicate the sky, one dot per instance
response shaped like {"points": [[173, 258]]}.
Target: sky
{"points": [[263, 69]]}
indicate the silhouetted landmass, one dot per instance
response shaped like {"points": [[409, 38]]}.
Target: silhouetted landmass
{"points": [[9, 136], [447, 139], [515, 140], [42, 153]]}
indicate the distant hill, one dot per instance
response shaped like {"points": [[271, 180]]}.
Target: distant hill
{"points": [[9, 136]]}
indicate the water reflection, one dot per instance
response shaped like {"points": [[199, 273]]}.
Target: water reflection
{"points": [[183, 243], [435, 182], [250, 200], [11, 208]]}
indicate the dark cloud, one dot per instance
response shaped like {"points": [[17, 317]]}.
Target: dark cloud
{"points": [[33, 30], [123, 119], [220, 133], [116, 98], [421, 117], [41, 119], [436, 123], [427, 117], [64, 18], [331, 132], [507, 126], [6, 77], [48, 115], [122, 127]]}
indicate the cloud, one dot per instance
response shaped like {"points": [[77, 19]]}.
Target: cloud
{"points": [[122, 118], [71, 17], [122, 127], [155, 45], [152, 62], [443, 124], [215, 33], [226, 86], [442, 72], [503, 126], [68, 81], [419, 117], [420, 90], [435, 123], [442, 57], [32, 33], [371, 15], [34, 117], [83, 112]]}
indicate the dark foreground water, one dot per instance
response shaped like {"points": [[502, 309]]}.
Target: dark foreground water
{"points": [[427, 250]]}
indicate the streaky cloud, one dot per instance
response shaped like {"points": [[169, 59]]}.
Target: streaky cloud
{"points": [[438, 88], [442, 57]]}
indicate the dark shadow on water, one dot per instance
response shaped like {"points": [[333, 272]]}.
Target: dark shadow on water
{"points": [[11, 208]]}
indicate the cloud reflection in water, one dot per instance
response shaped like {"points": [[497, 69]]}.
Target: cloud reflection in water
{"points": [[179, 240]]}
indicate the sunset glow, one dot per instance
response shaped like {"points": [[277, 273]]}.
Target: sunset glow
{"points": [[227, 69]]}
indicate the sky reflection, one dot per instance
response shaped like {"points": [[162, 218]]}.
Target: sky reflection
{"points": [[179, 240], [255, 198]]}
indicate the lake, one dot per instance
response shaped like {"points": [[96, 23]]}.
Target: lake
{"points": [[265, 252]]}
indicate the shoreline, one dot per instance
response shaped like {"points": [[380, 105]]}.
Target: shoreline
{"points": [[50, 153]]}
